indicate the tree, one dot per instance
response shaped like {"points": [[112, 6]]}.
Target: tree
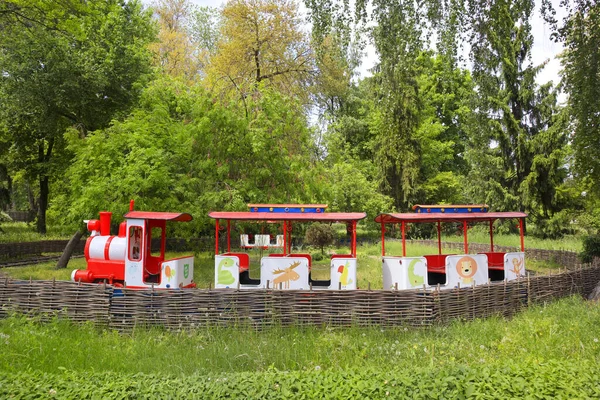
{"points": [[261, 44], [186, 39], [516, 144], [403, 119], [65, 64]]}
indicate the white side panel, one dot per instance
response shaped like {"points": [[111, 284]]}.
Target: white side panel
{"points": [[244, 240], [177, 273], [466, 270], [227, 272], [117, 248], [514, 265], [406, 272], [284, 272], [97, 245], [343, 270]]}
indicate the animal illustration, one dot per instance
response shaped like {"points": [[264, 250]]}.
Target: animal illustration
{"points": [[225, 277], [517, 266], [413, 279], [466, 268], [344, 280], [286, 275]]}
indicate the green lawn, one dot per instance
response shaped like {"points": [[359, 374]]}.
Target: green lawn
{"points": [[547, 351], [565, 329]]}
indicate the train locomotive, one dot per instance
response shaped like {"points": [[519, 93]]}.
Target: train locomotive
{"points": [[134, 258]]}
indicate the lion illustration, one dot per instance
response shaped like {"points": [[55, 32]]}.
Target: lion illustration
{"points": [[466, 268]]}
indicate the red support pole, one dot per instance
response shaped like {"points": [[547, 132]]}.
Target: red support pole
{"points": [[290, 238], [491, 236], [403, 239], [285, 237], [521, 233], [228, 236], [466, 242], [353, 250], [382, 239], [217, 238], [439, 229]]}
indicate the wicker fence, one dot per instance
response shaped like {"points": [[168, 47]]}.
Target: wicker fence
{"points": [[125, 309]]}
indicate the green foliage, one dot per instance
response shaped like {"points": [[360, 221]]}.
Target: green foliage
{"points": [[580, 34], [65, 64], [591, 248], [179, 150], [352, 191], [557, 379], [319, 235], [4, 217], [518, 141]]}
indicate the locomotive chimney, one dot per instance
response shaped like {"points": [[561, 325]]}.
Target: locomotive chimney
{"points": [[105, 217]]}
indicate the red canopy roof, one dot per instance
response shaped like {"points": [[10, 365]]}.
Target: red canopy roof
{"points": [[166, 216], [440, 217], [267, 216]]}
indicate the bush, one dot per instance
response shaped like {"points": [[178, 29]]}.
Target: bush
{"points": [[317, 256], [591, 248]]}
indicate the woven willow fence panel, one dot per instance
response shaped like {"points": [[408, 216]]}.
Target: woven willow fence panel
{"points": [[125, 309]]}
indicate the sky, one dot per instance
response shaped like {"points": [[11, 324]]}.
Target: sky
{"points": [[543, 47]]}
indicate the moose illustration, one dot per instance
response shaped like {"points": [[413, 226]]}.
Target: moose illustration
{"points": [[286, 275]]}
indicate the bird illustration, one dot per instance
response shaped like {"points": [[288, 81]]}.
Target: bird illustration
{"points": [[344, 277], [225, 277]]}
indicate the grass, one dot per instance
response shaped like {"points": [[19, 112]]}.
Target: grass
{"points": [[566, 329], [570, 243], [23, 232]]}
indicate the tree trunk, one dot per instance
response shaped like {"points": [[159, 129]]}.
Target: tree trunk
{"points": [[43, 205], [66, 255]]}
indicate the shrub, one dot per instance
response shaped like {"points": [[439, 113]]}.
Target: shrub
{"points": [[591, 248]]}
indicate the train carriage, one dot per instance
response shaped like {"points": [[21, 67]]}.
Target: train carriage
{"points": [[450, 270], [285, 270]]}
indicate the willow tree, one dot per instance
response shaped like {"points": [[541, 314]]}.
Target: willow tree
{"points": [[403, 121], [581, 62]]}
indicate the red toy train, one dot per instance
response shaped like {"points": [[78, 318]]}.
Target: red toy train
{"points": [[133, 258]]}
